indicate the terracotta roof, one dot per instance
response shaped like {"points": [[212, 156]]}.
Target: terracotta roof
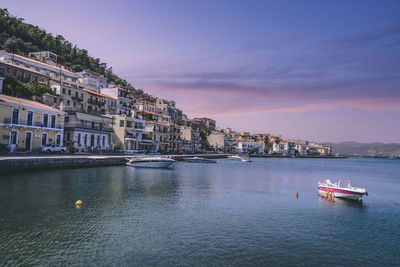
{"points": [[26, 102], [99, 94], [163, 123], [25, 68], [152, 113], [39, 62]]}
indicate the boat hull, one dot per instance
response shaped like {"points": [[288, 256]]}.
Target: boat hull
{"points": [[155, 164], [340, 193]]}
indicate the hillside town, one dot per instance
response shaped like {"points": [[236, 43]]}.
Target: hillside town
{"points": [[84, 112]]}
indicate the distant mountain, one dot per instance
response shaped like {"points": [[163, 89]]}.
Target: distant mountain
{"points": [[362, 149]]}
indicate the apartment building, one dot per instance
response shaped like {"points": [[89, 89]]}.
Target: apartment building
{"points": [[249, 147], [191, 140], [128, 133], [87, 132], [169, 108], [125, 99], [206, 122], [37, 69], [28, 125], [220, 142]]}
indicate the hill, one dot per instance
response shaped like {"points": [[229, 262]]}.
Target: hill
{"points": [[19, 37], [366, 149]]}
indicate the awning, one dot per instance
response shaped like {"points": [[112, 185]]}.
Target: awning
{"points": [[94, 118]]}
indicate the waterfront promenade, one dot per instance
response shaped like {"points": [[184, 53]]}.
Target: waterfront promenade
{"points": [[37, 162]]}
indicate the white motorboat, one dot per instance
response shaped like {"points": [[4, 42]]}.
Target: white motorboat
{"points": [[246, 159], [200, 160], [341, 189], [235, 157], [151, 162]]}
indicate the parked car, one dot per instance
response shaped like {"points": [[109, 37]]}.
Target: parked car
{"points": [[53, 148]]}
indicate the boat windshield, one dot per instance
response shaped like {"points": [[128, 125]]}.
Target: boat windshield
{"points": [[345, 184]]}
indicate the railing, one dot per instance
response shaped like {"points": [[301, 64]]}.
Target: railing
{"points": [[89, 127], [77, 98], [31, 123], [94, 102]]}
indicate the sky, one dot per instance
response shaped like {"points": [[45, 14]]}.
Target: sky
{"points": [[327, 71]]}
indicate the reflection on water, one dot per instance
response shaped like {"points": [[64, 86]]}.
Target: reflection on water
{"points": [[227, 213], [341, 202]]}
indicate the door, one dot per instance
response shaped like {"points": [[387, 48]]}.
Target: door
{"points": [[92, 140], [28, 141], [58, 140]]}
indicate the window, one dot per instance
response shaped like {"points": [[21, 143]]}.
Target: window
{"points": [[104, 140], [85, 140], [58, 140], [76, 94], [68, 136], [15, 116], [45, 120], [13, 139], [63, 91], [129, 124], [74, 104], [66, 119], [121, 123], [29, 118], [98, 140], [53, 121], [82, 95], [68, 102], [79, 139], [44, 139], [69, 92]]}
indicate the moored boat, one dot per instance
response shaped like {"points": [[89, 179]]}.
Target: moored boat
{"points": [[151, 162], [341, 189], [235, 157], [246, 159], [200, 160]]}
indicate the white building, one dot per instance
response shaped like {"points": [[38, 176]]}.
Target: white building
{"points": [[125, 99], [87, 132], [246, 147]]}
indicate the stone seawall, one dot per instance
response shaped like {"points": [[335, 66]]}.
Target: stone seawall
{"points": [[39, 164], [10, 164]]}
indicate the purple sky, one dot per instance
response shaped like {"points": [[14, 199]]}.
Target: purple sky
{"points": [[317, 70]]}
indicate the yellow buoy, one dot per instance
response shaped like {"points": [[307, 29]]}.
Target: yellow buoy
{"points": [[79, 202]]}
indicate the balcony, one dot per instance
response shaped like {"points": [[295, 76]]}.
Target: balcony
{"points": [[94, 102], [77, 98], [8, 121], [89, 126]]}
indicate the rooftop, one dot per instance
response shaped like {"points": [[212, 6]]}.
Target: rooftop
{"points": [[26, 102]]}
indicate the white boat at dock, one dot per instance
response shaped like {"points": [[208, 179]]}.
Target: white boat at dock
{"points": [[151, 162], [200, 160], [235, 157], [341, 189], [246, 159]]}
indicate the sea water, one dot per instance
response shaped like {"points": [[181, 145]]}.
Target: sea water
{"points": [[226, 214]]}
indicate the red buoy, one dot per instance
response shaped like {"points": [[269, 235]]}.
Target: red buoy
{"points": [[297, 194]]}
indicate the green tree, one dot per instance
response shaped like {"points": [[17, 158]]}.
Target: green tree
{"points": [[38, 89], [277, 140], [77, 68], [15, 88], [267, 144]]}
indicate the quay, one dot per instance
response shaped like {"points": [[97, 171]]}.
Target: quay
{"points": [[27, 163], [39, 162]]}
